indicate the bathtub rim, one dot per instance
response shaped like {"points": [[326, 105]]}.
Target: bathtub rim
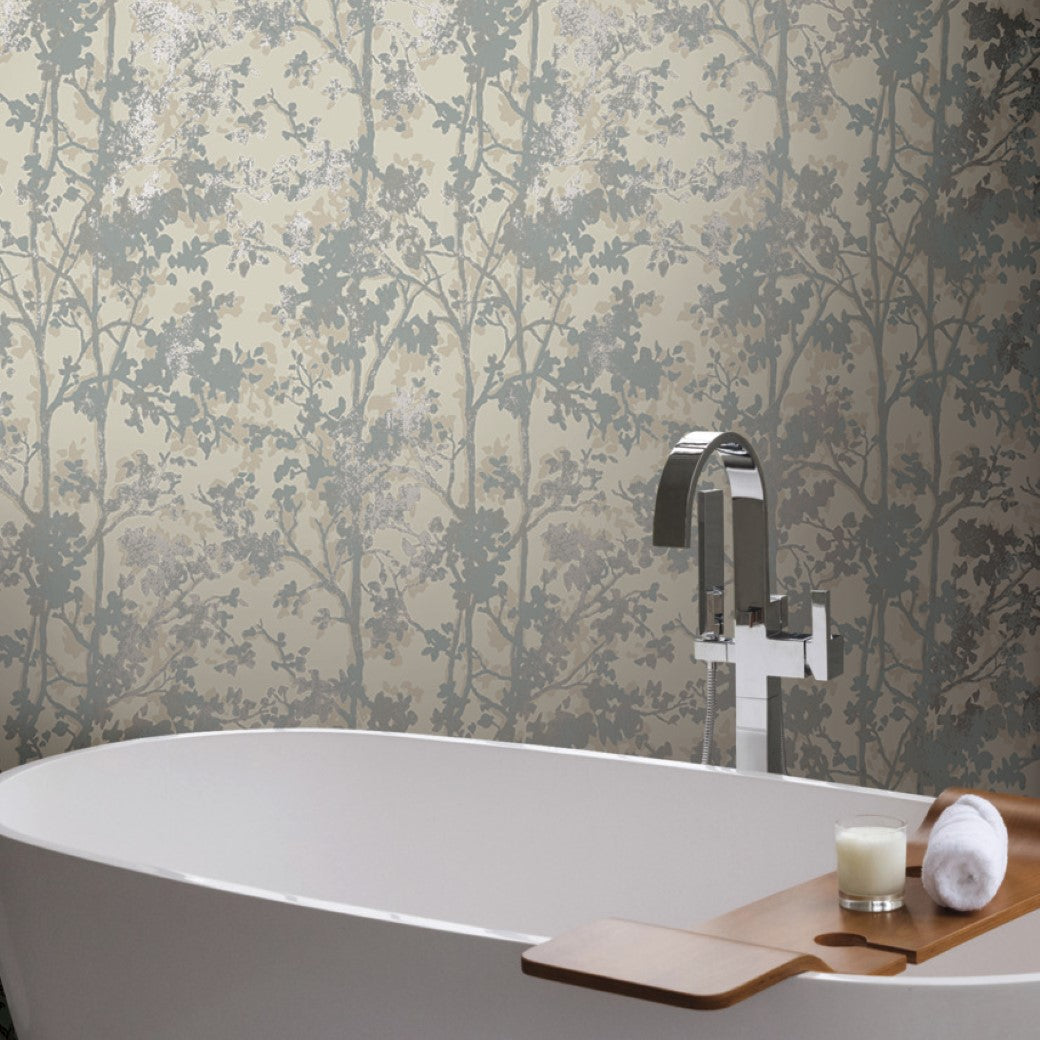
{"points": [[437, 924]]}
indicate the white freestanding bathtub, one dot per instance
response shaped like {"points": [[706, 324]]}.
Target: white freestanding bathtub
{"points": [[333, 885]]}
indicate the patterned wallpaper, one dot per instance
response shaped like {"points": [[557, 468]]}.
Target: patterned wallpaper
{"points": [[341, 344]]}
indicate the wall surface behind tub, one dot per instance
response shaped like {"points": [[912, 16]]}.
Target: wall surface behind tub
{"points": [[341, 346], [339, 357]]}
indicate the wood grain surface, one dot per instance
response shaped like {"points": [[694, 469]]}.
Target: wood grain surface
{"points": [[666, 965]]}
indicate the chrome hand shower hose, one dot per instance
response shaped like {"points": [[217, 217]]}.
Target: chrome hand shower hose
{"points": [[709, 718]]}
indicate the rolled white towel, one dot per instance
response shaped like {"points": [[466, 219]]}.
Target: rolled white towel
{"points": [[967, 854]]}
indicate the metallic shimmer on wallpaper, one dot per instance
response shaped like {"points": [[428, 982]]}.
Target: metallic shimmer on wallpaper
{"points": [[341, 344]]}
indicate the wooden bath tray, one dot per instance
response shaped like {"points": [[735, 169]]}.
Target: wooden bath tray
{"points": [[727, 959]]}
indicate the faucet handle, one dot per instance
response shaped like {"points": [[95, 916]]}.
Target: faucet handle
{"points": [[824, 653]]}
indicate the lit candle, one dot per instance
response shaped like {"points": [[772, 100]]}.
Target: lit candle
{"points": [[871, 854]]}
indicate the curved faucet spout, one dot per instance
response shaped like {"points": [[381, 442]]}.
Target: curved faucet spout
{"points": [[674, 512]]}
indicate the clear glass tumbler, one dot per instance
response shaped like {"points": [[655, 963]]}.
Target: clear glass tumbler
{"points": [[871, 853]]}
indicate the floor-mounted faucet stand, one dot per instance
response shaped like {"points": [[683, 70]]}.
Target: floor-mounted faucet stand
{"points": [[761, 650]]}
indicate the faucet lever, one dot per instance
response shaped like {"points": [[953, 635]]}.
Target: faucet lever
{"points": [[711, 560], [824, 653]]}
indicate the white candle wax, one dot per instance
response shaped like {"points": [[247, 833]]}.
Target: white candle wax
{"points": [[871, 861]]}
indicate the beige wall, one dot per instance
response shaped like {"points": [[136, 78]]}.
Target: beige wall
{"points": [[339, 358]]}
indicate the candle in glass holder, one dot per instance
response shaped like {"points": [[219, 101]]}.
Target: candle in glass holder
{"points": [[871, 853]]}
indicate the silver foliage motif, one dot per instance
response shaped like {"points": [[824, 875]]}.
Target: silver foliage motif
{"points": [[337, 342]]}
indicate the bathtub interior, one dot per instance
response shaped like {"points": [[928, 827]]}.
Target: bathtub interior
{"points": [[497, 837]]}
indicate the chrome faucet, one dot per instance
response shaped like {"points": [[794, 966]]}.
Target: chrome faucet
{"points": [[760, 650]]}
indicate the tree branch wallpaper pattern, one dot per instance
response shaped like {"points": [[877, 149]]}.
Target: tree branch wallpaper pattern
{"points": [[341, 345]]}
